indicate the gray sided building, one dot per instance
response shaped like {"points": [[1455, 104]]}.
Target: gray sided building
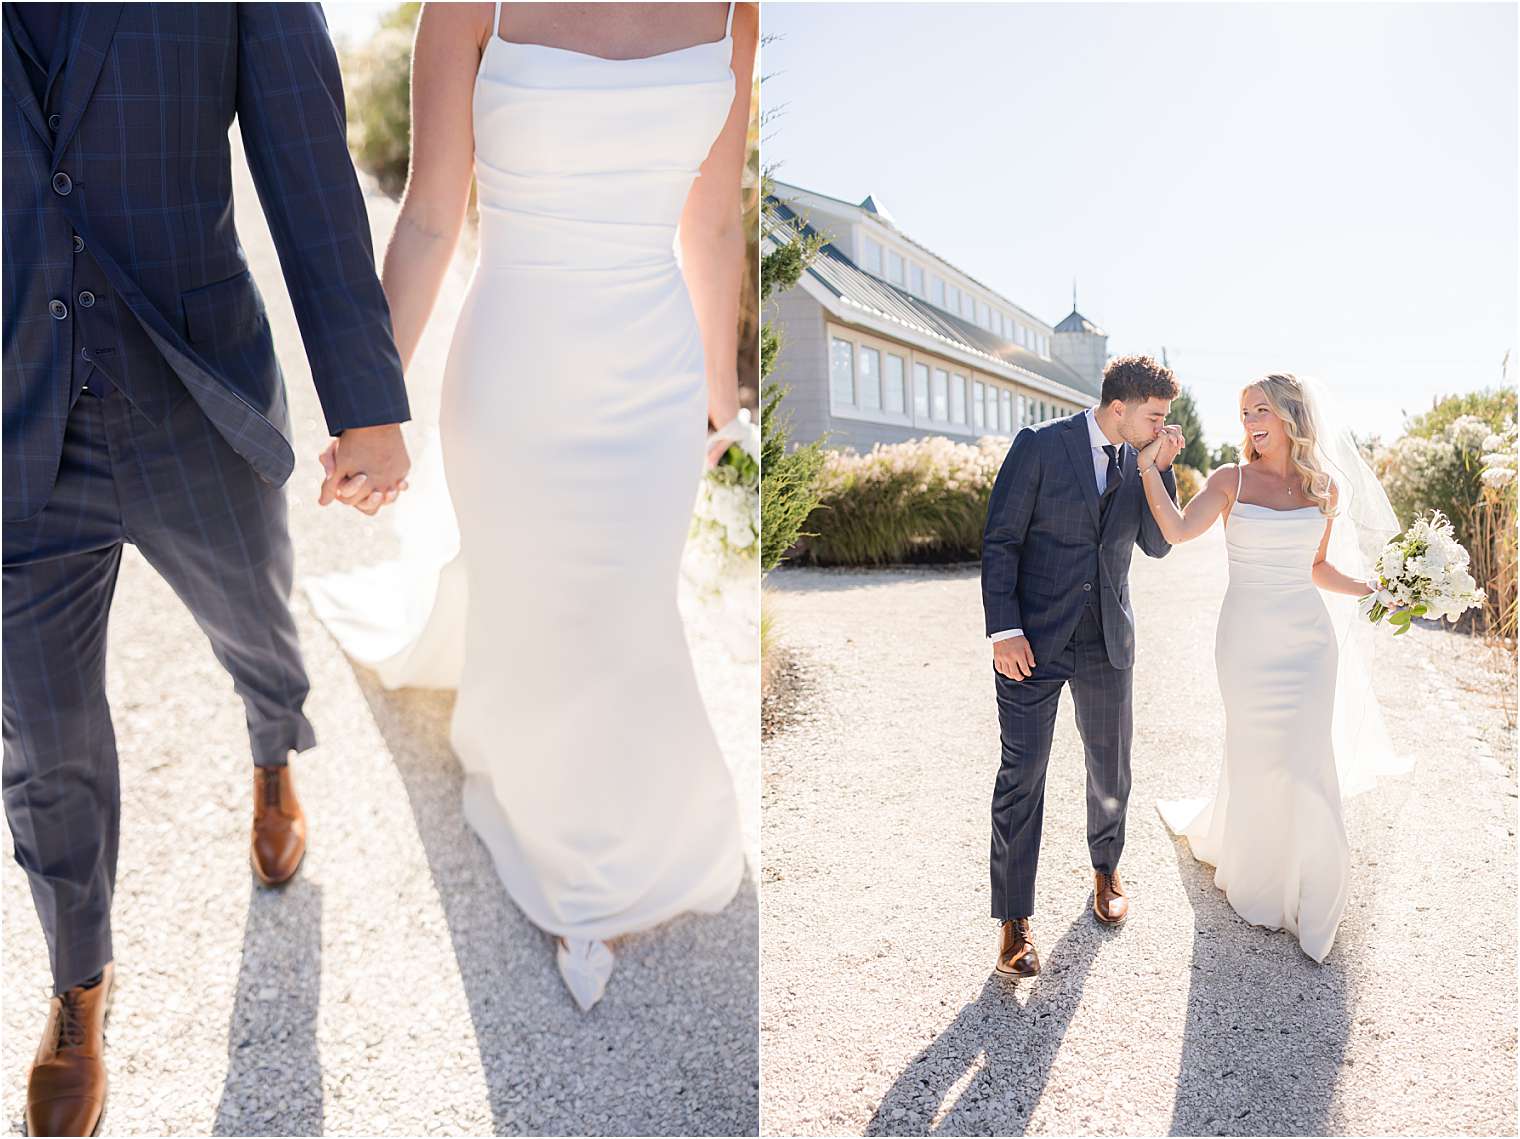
{"points": [[884, 341]]}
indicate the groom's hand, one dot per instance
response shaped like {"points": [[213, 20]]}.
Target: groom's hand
{"points": [[365, 467], [1013, 657]]}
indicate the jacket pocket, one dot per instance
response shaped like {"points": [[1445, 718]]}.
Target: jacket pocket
{"points": [[225, 322], [223, 312]]}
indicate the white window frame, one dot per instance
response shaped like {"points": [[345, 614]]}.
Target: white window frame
{"points": [[902, 383], [958, 388], [858, 341], [864, 386], [871, 251]]}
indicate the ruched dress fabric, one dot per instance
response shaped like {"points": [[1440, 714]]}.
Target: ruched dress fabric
{"points": [[1274, 830], [573, 427]]}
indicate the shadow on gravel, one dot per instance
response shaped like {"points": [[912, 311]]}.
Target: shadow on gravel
{"points": [[985, 1073], [274, 1074], [671, 1049], [1266, 1026]]}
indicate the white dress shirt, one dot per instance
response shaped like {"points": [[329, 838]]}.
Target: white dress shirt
{"points": [[1098, 440]]}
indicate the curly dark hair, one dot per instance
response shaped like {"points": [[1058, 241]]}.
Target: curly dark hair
{"points": [[1132, 378]]}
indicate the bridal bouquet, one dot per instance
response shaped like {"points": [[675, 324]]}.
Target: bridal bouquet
{"points": [[725, 527], [1423, 572], [723, 543], [722, 560]]}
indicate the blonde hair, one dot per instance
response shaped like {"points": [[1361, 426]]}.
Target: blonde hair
{"points": [[1284, 394]]}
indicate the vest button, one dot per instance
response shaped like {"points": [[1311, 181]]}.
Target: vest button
{"points": [[58, 309], [62, 184], [86, 299], [78, 244], [54, 122], [1087, 586], [84, 353]]}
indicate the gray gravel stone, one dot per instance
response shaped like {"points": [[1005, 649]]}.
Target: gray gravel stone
{"points": [[881, 1011]]}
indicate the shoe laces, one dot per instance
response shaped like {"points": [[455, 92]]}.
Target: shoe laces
{"points": [[71, 1020], [271, 785]]}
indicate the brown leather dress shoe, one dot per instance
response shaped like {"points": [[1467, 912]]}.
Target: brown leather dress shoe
{"points": [[1016, 953], [66, 1088], [279, 826], [1109, 902]]}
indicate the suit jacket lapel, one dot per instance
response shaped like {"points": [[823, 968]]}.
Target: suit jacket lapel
{"points": [[94, 26], [13, 71], [1079, 447]]}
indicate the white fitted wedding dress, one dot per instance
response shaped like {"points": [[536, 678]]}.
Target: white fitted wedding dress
{"points": [[573, 429], [1274, 830]]}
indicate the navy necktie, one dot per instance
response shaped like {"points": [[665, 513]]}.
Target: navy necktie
{"points": [[1115, 474]]}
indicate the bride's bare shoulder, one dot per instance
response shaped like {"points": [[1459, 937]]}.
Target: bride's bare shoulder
{"points": [[1224, 479]]}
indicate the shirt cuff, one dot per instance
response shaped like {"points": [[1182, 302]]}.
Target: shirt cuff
{"points": [[1005, 634]]}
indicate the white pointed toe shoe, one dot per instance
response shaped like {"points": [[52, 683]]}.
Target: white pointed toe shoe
{"points": [[585, 966]]}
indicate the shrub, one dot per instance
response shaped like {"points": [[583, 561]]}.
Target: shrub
{"points": [[1441, 471], [1189, 483], [378, 81], [1494, 534], [1494, 406], [920, 501], [789, 479], [1464, 468]]}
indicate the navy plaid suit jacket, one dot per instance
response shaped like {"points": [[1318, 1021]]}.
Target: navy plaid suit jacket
{"points": [[1046, 538], [128, 183]]}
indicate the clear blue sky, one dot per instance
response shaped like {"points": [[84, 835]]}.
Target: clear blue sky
{"points": [[1324, 188]]}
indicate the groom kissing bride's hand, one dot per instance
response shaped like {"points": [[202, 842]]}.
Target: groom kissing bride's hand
{"points": [[365, 467], [1163, 449], [1012, 656]]}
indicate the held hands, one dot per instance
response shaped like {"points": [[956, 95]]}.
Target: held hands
{"points": [[365, 467], [1013, 657], [1165, 447]]}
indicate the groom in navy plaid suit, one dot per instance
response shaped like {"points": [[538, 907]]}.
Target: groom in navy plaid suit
{"points": [[143, 403], [1066, 512]]}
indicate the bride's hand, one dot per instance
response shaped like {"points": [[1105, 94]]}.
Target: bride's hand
{"points": [[739, 429], [1149, 453], [350, 489]]}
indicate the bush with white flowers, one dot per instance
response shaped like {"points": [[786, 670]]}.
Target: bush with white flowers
{"points": [[1422, 573]]}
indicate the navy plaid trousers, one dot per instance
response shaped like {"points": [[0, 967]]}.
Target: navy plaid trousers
{"points": [[216, 532]]}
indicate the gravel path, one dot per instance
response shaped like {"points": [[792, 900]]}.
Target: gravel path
{"points": [[391, 988], [881, 1011]]}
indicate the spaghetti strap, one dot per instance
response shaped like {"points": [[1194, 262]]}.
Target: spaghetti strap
{"points": [[729, 28], [496, 20], [1239, 473]]}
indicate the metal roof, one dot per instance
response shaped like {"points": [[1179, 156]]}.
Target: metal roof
{"points": [[1076, 322], [878, 212], [852, 284]]}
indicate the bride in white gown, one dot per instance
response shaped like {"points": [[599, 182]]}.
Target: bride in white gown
{"points": [[597, 334], [1303, 517]]}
